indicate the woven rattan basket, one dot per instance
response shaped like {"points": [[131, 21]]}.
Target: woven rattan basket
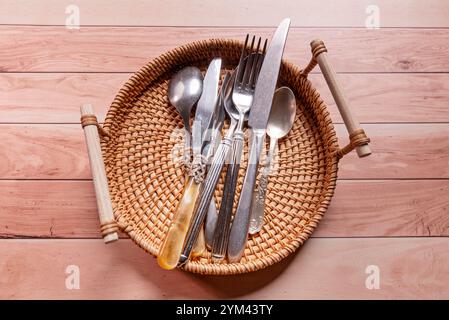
{"points": [[145, 183]]}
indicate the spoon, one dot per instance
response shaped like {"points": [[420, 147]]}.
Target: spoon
{"points": [[280, 122], [184, 90]]}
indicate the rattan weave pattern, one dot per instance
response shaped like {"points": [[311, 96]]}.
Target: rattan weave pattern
{"points": [[146, 183]]}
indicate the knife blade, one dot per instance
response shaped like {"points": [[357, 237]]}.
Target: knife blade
{"points": [[258, 120], [268, 77], [206, 106]]}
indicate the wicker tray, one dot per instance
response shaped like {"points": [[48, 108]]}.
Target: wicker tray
{"points": [[145, 184]]}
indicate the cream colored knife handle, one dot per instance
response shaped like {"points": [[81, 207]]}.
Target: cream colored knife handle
{"points": [[171, 249]]}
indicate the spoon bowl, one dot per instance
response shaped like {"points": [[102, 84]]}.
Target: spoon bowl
{"points": [[184, 90], [282, 114]]}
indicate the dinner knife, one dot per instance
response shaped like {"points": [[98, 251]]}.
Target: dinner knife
{"points": [[258, 120], [205, 115]]}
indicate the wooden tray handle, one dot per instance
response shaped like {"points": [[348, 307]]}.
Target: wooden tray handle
{"points": [[358, 138], [92, 132]]}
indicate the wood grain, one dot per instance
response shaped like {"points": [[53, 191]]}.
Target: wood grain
{"points": [[37, 151], [398, 13], [43, 152], [389, 75], [126, 49], [56, 97], [409, 268], [388, 208], [98, 171], [399, 151]]}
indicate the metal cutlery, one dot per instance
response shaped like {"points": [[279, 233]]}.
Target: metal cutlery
{"points": [[280, 122], [238, 108], [212, 214], [184, 90], [248, 75], [206, 107], [258, 119], [205, 117]]}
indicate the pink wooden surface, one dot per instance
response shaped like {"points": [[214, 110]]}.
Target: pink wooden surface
{"points": [[382, 208], [377, 97], [126, 49], [389, 210], [56, 151], [348, 13], [324, 268]]}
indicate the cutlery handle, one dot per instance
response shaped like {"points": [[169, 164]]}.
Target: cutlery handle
{"points": [[91, 128], [223, 227], [258, 206], [206, 196], [171, 249], [212, 214], [200, 245], [211, 222], [240, 224], [358, 138]]}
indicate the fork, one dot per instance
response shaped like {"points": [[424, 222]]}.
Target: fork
{"points": [[242, 97], [246, 83]]}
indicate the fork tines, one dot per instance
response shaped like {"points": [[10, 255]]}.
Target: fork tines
{"points": [[250, 62]]}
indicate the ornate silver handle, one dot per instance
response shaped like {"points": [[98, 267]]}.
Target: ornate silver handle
{"points": [[206, 194], [240, 224], [258, 206]]}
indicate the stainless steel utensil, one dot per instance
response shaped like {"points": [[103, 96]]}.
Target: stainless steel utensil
{"points": [[258, 119], [221, 232], [280, 122], [247, 78], [212, 214], [184, 90], [205, 111], [237, 109], [205, 117], [168, 256]]}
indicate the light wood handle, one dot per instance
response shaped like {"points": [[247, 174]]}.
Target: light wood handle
{"points": [[170, 251], [319, 52], [108, 225]]}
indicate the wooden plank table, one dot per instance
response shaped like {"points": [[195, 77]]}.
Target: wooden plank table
{"points": [[389, 211]]}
